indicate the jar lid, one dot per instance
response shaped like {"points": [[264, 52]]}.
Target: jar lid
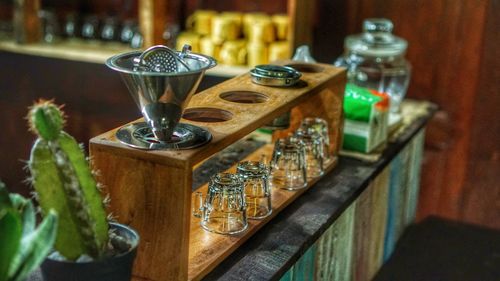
{"points": [[376, 40], [275, 75]]}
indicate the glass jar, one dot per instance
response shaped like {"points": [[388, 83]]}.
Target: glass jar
{"points": [[375, 60]]}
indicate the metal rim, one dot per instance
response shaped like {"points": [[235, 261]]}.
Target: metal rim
{"points": [[273, 81], [277, 71], [111, 63], [193, 136]]}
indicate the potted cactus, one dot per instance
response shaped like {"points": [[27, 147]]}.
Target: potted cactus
{"points": [[87, 247], [22, 246]]}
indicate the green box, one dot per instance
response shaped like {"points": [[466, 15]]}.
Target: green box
{"points": [[365, 119]]}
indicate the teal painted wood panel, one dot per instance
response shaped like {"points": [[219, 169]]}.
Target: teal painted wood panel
{"points": [[416, 166], [398, 190], [403, 191], [363, 237], [378, 221], [287, 276], [370, 226], [334, 249], [304, 268]]}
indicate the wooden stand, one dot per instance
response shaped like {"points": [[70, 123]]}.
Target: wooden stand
{"points": [[151, 190]]}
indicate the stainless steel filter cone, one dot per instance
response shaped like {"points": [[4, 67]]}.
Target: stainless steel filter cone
{"points": [[161, 96]]}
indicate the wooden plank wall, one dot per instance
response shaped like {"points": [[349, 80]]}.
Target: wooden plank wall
{"points": [[335, 248], [356, 245], [481, 193], [453, 48]]}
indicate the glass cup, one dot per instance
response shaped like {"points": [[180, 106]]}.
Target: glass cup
{"points": [[288, 166], [109, 31], [224, 209], [90, 27], [70, 28], [313, 144], [321, 127], [128, 30], [50, 26], [255, 176]]}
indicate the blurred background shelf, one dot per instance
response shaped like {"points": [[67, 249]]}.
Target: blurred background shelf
{"points": [[30, 21], [93, 52], [77, 50]]}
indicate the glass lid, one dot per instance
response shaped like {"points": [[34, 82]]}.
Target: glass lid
{"points": [[376, 40]]}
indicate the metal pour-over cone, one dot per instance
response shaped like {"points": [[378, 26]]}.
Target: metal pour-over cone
{"points": [[161, 96]]}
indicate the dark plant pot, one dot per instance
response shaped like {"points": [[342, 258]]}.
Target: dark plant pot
{"points": [[117, 268]]}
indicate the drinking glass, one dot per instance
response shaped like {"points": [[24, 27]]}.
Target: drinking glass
{"points": [[321, 127], [255, 176], [70, 26], [313, 144], [224, 208], [128, 30], [288, 166], [109, 31], [90, 27], [50, 26]]}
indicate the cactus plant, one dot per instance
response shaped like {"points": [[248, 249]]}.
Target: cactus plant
{"points": [[64, 182], [22, 246]]}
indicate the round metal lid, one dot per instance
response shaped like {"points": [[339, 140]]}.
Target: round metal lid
{"points": [[376, 40], [275, 75]]}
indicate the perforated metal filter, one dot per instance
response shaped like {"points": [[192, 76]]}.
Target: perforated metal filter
{"points": [[161, 59]]}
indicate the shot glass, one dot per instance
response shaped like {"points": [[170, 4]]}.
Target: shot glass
{"points": [[313, 144], [321, 127], [224, 209], [288, 166], [255, 176]]}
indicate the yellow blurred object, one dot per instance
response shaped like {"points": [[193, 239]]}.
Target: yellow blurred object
{"points": [[261, 31], [249, 19], [224, 28], [234, 16], [281, 24], [209, 48], [279, 50], [201, 21], [190, 38], [233, 52], [257, 54]]}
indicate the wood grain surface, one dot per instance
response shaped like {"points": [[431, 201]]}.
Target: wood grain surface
{"points": [[480, 200], [245, 117], [26, 21], [151, 190], [453, 49], [152, 199], [335, 251], [207, 250]]}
